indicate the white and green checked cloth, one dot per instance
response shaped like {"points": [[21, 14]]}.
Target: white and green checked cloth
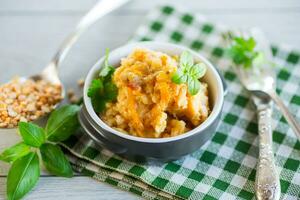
{"points": [[224, 168]]}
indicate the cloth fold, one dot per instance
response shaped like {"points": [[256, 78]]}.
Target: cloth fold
{"points": [[224, 168]]}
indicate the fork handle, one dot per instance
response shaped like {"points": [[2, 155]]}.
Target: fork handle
{"points": [[286, 113], [267, 180]]}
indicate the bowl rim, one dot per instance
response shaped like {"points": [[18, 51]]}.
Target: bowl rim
{"points": [[148, 44]]}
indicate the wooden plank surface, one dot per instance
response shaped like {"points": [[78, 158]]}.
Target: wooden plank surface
{"points": [[76, 188], [31, 31]]}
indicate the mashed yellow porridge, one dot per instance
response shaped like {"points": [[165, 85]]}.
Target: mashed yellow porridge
{"points": [[149, 104]]}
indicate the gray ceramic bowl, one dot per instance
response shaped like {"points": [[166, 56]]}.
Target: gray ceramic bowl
{"points": [[163, 149]]}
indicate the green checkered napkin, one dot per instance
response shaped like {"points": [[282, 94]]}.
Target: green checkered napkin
{"points": [[224, 168]]}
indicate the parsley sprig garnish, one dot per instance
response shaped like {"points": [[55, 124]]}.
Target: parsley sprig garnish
{"points": [[102, 89], [189, 73], [242, 51]]}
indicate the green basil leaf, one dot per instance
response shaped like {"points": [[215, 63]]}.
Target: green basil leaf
{"points": [[110, 91], [179, 77], [99, 104], [107, 69], [14, 152], [106, 57], [96, 88], [95, 92], [193, 86], [198, 70], [186, 60], [242, 51], [62, 123], [55, 160], [260, 60], [189, 73], [103, 90], [23, 176], [32, 134], [248, 44]]}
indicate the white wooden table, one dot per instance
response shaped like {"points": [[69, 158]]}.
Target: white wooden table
{"points": [[31, 30]]}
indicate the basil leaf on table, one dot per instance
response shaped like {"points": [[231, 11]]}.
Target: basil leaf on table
{"points": [[22, 176], [55, 160], [32, 134], [62, 123], [14, 152]]}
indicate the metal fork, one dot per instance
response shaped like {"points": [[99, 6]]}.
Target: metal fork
{"points": [[264, 83], [260, 82]]}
